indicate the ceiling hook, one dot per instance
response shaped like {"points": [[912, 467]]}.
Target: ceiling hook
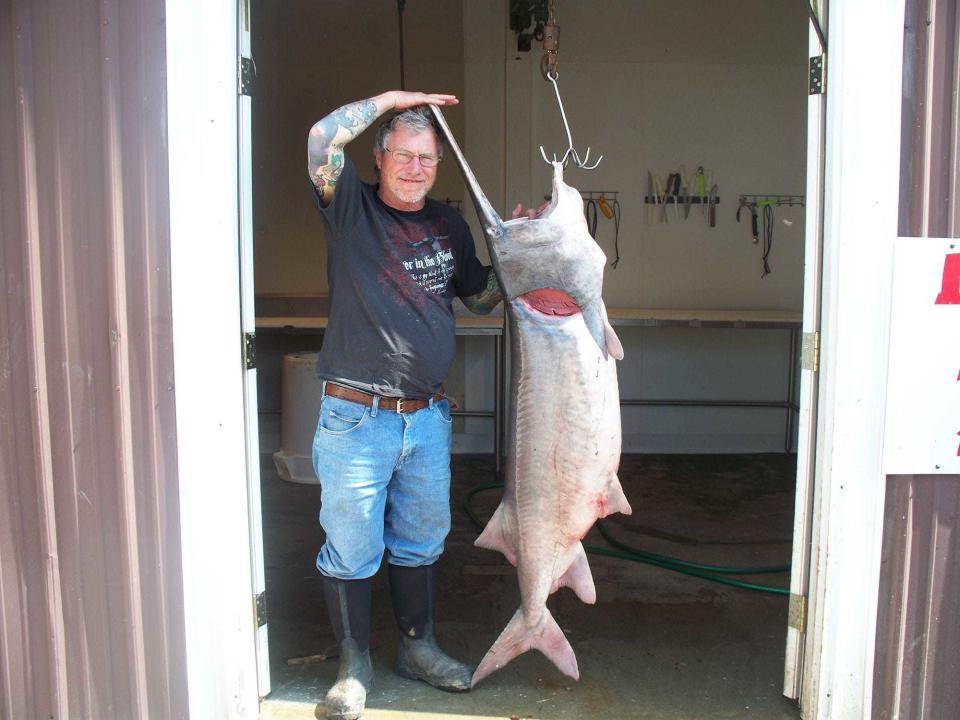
{"points": [[570, 152]]}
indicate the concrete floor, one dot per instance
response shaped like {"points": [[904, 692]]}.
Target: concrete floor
{"points": [[657, 645]]}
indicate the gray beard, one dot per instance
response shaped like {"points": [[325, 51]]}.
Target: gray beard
{"points": [[412, 197]]}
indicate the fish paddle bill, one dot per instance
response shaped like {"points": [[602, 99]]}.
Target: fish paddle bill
{"points": [[518, 637]]}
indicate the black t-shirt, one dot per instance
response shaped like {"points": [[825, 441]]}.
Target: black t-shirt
{"points": [[392, 276]]}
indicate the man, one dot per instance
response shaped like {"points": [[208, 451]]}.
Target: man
{"points": [[395, 261]]}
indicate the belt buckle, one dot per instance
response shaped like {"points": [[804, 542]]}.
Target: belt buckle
{"points": [[400, 406]]}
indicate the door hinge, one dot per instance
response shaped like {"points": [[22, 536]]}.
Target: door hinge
{"points": [[260, 609], [246, 72], [249, 350], [817, 76], [810, 352], [797, 612]]}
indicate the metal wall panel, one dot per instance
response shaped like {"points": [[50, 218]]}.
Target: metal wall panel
{"points": [[930, 120], [917, 666], [91, 609]]}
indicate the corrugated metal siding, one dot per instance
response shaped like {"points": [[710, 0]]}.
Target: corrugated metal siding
{"points": [[91, 615], [917, 667], [930, 120]]}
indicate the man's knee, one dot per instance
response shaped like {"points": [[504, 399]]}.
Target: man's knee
{"points": [[354, 561]]}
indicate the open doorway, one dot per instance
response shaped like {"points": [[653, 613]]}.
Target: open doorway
{"points": [[709, 431]]}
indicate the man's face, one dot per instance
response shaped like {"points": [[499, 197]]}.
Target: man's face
{"points": [[404, 187]]}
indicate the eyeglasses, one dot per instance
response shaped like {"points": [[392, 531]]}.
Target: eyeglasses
{"points": [[405, 156]]}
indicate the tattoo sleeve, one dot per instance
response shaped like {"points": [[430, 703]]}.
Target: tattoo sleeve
{"points": [[485, 300], [327, 138]]}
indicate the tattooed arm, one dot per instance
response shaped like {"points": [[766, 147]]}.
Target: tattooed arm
{"points": [[327, 138], [485, 300]]}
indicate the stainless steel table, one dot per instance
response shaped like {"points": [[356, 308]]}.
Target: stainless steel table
{"points": [[759, 319]]}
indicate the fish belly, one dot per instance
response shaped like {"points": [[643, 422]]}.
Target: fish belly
{"points": [[560, 475]]}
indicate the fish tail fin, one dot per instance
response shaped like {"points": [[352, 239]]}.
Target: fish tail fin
{"points": [[616, 501], [493, 537], [578, 577], [518, 637]]}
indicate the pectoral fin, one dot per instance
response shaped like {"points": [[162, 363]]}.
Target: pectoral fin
{"points": [[493, 537], [613, 342], [615, 501]]}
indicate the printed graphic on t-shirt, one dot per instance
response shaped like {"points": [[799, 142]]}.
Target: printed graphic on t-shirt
{"points": [[425, 252], [432, 270]]}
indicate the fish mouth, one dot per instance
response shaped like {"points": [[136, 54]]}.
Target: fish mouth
{"points": [[550, 301]]}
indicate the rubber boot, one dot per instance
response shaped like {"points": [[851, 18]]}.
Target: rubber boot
{"points": [[413, 590], [348, 602]]}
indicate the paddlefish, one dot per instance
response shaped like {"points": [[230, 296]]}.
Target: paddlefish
{"points": [[563, 448]]}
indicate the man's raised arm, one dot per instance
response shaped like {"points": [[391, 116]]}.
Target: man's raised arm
{"points": [[328, 136]]}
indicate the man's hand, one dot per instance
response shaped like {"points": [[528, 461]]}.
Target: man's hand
{"points": [[403, 99], [531, 213]]}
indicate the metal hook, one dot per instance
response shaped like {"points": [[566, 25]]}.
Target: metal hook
{"points": [[571, 152]]}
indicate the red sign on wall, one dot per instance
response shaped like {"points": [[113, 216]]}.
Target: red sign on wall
{"points": [[950, 291]]}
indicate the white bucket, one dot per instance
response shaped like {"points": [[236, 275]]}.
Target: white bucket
{"points": [[299, 412]]}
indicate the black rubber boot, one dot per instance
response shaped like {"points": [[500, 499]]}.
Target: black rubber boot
{"points": [[348, 602], [413, 590]]}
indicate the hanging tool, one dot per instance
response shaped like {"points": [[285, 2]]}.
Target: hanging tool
{"points": [[755, 233], [700, 182], [767, 235], [590, 212], [548, 68], [668, 194], [686, 191], [612, 213], [713, 204], [661, 198], [605, 206], [673, 192]]}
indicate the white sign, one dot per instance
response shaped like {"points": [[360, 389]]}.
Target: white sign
{"points": [[922, 424]]}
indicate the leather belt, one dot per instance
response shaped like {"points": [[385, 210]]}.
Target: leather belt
{"points": [[394, 404]]}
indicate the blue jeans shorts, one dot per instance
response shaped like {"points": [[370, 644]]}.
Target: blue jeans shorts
{"points": [[385, 484]]}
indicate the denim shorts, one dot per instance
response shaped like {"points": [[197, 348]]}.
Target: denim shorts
{"points": [[385, 484]]}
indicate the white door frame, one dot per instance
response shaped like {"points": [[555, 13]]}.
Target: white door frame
{"points": [[860, 223], [248, 327], [861, 199], [208, 374], [807, 397]]}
